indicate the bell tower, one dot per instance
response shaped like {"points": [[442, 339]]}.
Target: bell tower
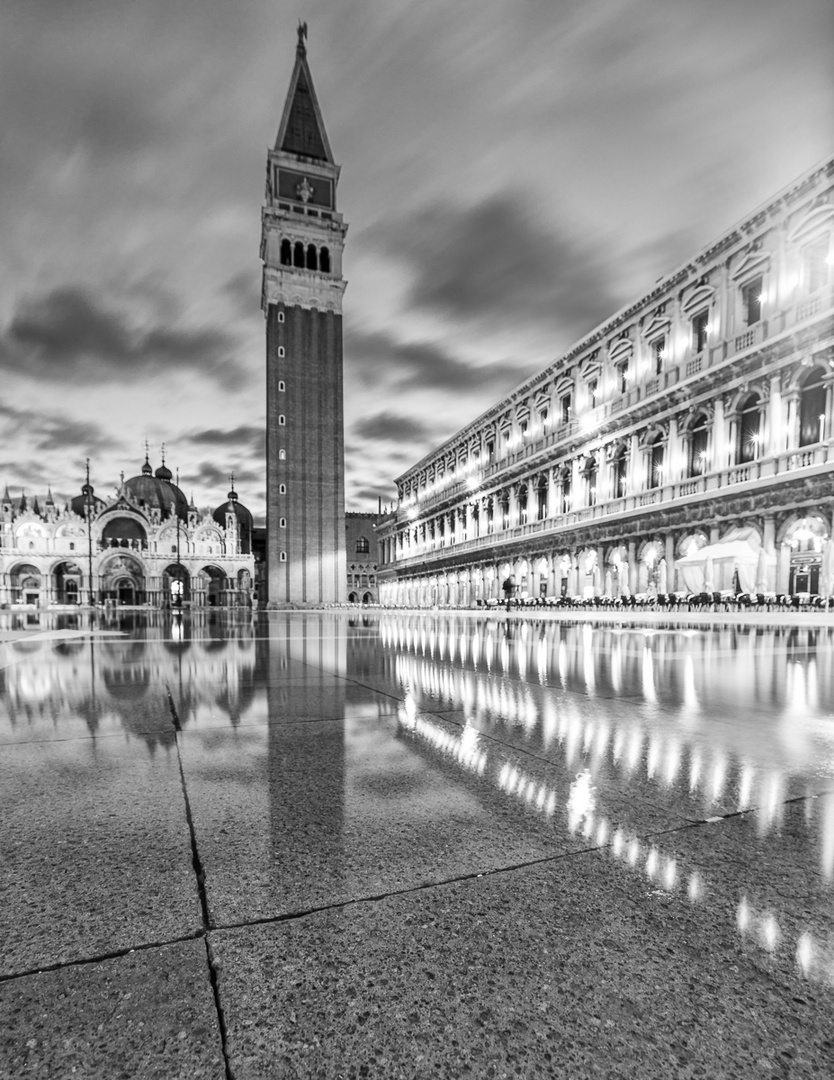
{"points": [[302, 239]]}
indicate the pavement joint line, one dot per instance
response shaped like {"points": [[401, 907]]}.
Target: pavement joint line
{"points": [[292, 916], [371, 898], [200, 876], [99, 958]]}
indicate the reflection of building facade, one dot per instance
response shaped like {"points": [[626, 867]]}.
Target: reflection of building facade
{"points": [[302, 237], [685, 443], [534, 683], [146, 546], [361, 548], [121, 683]]}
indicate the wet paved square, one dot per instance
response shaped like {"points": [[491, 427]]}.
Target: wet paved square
{"points": [[394, 845]]}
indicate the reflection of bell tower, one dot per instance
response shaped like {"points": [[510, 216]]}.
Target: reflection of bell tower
{"points": [[302, 237]]}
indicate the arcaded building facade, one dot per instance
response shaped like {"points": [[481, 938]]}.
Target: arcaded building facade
{"points": [[684, 444], [145, 546], [362, 554]]}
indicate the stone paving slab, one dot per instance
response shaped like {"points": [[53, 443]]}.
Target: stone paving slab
{"points": [[148, 1014], [582, 967], [95, 852], [296, 816]]}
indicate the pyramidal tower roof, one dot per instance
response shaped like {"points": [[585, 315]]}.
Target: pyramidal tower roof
{"points": [[301, 130]]}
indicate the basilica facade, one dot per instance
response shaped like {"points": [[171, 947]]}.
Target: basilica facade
{"points": [[683, 444], [145, 546]]}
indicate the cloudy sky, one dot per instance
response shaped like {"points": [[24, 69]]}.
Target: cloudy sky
{"points": [[513, 171]]}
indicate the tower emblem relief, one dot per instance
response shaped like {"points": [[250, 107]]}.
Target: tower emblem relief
{"points": [[304, 190]]}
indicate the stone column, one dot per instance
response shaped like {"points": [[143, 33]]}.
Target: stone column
{"points": [[676, 454], [721, 444], [773, 435], [634, 481], [783, 568], [792, 422], [670, 563], [633, 578]]}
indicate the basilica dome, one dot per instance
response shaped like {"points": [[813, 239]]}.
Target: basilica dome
{"points": [[156, 492], [244, 519], [79, 504]]}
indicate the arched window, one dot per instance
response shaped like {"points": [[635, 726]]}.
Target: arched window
{"points": [[282, 455], [590, 474], [812, 408], [362, 546], [541, 499], [696, 464], [748, 428], [504, 509], [655, 477], [620, 474], [298, 255], [312, 259], [286, 253], [324, 260], [522, 505], [566, 492]]}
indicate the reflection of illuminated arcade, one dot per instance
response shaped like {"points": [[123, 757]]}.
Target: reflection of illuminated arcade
{"points": [[530, 688]]}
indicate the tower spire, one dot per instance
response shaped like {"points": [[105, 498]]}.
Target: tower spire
{"points": [[301, 130]]}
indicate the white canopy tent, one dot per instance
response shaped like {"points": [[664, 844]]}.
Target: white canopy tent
{"points": [[713, 566]]}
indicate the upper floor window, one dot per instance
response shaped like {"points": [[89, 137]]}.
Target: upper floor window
{"points": [[298, 255], [622, 377], [812, 408], [700, 323], [620, 475], [523, 428], [566, 493], [490, 451], [504, 509], [591, 483], [658, 347], [698, 441], [286, 253], [656, 453], [748, 430], [541, 499], [362, 546], [752, 298], [522, 505], [593, 388], [543, 414], [816, 268]]}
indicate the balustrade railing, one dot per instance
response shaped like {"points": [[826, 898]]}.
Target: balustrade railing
{"points": [[705, 486]]}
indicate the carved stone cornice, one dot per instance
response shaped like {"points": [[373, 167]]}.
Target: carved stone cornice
{"points": [[317, 291]]}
